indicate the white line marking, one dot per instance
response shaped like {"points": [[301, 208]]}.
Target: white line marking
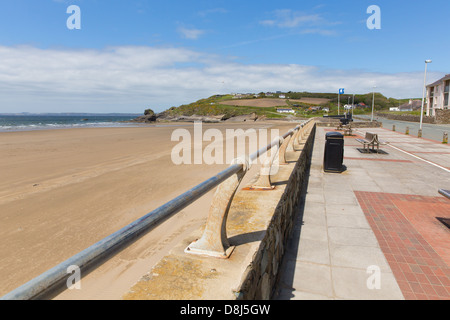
{"points": [[429, 162], [417, 157]]}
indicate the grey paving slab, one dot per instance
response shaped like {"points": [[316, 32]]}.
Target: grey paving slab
{"points": [[357, 257], [352, 236], [334, 248], [314, 214], [347, 221], [312, 278], [314, 232], [333, 245], [343, 209], [351, 283], [313, 251]]}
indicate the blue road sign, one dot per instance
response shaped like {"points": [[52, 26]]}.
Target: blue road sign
{"points": [[341, 91]]}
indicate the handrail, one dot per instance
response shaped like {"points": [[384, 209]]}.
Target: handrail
{"points": [[445, 193], [55, 277], [214, 241], [41, 284]]}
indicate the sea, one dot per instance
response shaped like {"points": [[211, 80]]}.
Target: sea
{"points": [[30, 122]]}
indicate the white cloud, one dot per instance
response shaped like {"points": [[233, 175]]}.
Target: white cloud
{"points": [[192, 34], [306, 23], [287, 18], [208, 12], [130, 79]]}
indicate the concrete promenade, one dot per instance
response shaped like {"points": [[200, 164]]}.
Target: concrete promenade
{"points": [[372, 232]]}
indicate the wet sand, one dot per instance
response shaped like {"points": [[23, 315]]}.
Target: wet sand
{"points": [[64, 190]]}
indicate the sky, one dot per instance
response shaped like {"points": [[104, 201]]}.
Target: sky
{"points": [[128, 56]]}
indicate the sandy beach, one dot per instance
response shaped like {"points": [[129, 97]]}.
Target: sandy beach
{"points": [[63, 190]]}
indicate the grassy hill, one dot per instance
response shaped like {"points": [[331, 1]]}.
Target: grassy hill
{"points": [[214, 106], [304, 103]]}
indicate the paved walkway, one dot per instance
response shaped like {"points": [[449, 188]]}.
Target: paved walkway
{"points": [[372, 232]]}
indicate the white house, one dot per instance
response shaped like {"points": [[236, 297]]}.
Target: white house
{"points": [[412, 105], [438, 95], [285, 110]]}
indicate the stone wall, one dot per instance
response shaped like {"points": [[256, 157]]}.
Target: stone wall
{"points": [[406, 117], [260, 277], [355, 124], [258, 226], [443, 116]]}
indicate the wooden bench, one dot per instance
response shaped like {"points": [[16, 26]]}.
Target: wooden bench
{"points": [[371, 139]]}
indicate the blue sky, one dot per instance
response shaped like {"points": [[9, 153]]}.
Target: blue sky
{"points": [[135, 54]]}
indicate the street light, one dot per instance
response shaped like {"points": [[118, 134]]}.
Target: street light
{"points": [[373, 102], [353, 104], [423, 96]]}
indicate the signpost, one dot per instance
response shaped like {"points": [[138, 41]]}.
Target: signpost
{"points": [[341, 91]]}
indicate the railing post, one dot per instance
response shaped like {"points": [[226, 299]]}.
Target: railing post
{"points": [[283, 148], [290, 147], [214, 242], [263, 182], [299, 138]]}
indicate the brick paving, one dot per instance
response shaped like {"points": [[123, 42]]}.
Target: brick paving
{"points": [[371, 159], [382, 210], [412, 240]]}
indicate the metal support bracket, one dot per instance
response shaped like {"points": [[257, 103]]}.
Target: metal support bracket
{"points": [[298, 139], [283, 148], [290, 147], [214, 242], [263, 182]]}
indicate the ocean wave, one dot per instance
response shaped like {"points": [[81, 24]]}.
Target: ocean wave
{"points": [[51, 126]]}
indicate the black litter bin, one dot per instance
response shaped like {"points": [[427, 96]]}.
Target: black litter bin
{"points": [[334, 152]]}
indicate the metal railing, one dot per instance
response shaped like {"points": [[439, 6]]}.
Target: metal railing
{"points": [[214, 241]]}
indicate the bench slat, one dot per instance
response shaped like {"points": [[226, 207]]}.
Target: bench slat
{"points": [[371, 139]]}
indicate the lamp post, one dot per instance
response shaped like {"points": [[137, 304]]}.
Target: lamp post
{"points": [[339, 103], [373, 102], [423, 96], [353, 104]]}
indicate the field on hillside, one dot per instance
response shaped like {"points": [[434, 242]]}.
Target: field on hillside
{"points": [[316, 101], [270, 103]]}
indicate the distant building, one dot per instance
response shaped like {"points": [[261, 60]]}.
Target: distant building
{"points": [[438, 95], [348, 107], [412, 105], [285, 110], [282, 96], [242, 95]]}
